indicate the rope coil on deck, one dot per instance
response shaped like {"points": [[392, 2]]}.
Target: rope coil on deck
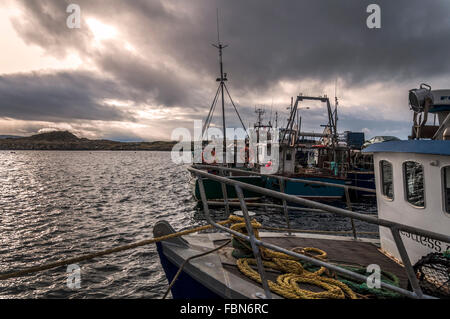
{"points": [[286, 284]]}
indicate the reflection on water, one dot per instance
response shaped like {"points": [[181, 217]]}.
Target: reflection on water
{"points": [[56, 205]]}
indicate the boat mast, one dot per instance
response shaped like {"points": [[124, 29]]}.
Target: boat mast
{"points": [[221, 89], [222, 80], [336, 139], [276, 119]]}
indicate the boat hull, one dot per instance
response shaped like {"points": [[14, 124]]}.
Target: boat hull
{"points": [[213, 189], [185, 287], [312, 191]]}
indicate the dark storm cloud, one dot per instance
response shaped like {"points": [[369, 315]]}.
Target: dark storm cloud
{"points": [[59, 96], [270, 41], [155, 85], [328, 39], [44, 23]]}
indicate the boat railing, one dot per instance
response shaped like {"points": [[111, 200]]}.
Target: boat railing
{"points": [[394, 227], [281, 180]]}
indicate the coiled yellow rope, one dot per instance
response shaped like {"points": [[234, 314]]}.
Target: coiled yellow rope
{"points": [[286, 284]]}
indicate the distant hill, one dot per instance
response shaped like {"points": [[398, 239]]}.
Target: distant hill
{"points": [[9, 136], [55, 136], [64, 140]]}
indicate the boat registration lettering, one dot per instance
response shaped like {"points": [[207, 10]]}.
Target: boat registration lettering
{"points": [[425, 241]]}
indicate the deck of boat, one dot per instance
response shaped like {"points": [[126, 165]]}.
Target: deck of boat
{"points": [[344, 251], [217, 272]]}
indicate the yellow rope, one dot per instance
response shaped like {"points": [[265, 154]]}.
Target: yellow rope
{"points": [[286, 284]]}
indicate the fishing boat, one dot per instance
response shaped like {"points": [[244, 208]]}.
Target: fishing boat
{"points": [[213, 189], [414, 176], [318, 157], [410, 258]]}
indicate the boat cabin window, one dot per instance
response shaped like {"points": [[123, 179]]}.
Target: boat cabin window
{"points": [[387, 185], [414, 183], [446, 180]]}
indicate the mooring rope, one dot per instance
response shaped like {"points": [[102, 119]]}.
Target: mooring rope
{"points": [[86, 257]]}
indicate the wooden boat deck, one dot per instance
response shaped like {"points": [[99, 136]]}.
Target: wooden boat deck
{"points": [[343, 252]]}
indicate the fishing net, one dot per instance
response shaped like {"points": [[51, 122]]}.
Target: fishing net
{"points": [[371, 293], [362, 289], [433, 273]]}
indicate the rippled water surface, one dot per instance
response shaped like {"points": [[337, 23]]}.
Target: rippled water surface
{"points": [[56, 205]]}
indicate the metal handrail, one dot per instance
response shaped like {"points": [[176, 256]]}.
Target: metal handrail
{"points": [[313, 204], [284, 178], [393, 226], [222, 169]]}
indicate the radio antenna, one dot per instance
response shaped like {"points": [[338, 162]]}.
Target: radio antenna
{"points": [[336, 103], [218, 28]]}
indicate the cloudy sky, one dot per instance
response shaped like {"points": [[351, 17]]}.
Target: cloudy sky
{"points": [[136, 70]]}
